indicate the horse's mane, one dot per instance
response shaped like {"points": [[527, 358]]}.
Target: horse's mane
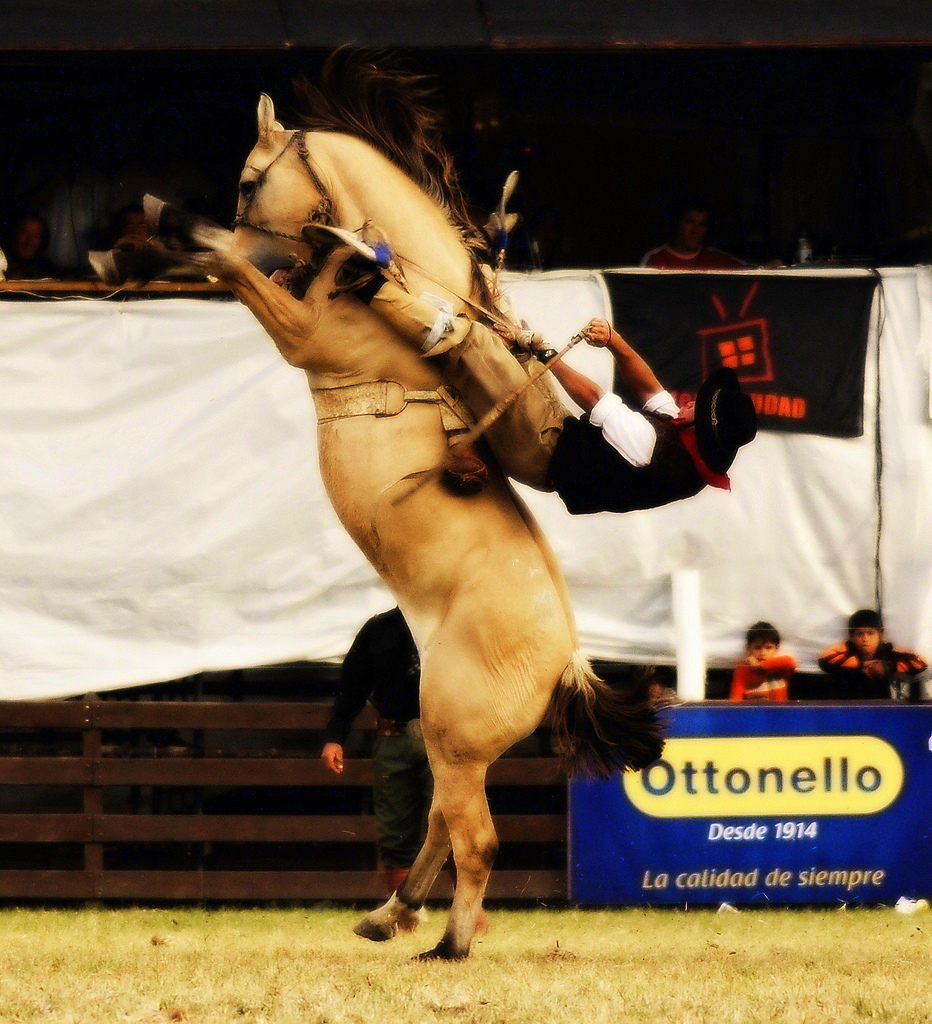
{"points": [[370, 95]]}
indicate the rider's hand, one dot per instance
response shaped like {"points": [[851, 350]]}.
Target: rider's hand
{"points": [[598, 332], [332, 756], [687, 415]]}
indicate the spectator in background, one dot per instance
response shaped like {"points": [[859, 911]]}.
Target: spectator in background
{"points": [[25, 251], [687, 250], [866, 666], [132, 228], [544, 238], [765, 673], [72, 200], [383, 666]]}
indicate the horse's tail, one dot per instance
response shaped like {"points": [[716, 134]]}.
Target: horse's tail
{"points": [[599, 728]]}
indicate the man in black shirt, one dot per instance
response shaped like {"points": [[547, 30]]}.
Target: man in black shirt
{"points": [[382, 666]]}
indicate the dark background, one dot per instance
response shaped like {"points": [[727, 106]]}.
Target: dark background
{"points": [[836, 142]]}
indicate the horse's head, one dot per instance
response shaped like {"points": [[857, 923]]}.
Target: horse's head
{"points": [[279, 193], [335, 175]]}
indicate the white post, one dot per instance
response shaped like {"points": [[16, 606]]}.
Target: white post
{"points": [[687, 626]]}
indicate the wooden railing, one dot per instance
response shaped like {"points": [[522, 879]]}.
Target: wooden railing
{"points": [[180, 800], [49, 288]]}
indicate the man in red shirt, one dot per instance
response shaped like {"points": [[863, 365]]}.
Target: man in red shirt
{"points": [[687, 249]]}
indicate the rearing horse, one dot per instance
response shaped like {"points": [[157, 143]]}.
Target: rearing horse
{"points": [[476, 581]]}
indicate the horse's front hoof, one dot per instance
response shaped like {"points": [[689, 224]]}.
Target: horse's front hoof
{"points": [[105, 267], [136, 265], [388, 920], [176, 227], [170, 222]]}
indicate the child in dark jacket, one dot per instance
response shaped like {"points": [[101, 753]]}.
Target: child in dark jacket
{"points": [[866, 666]]}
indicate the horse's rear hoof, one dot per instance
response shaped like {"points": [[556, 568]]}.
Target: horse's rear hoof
{"points": [[443, 951]]}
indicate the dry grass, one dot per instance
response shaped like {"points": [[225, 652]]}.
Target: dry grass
{"points": [[534, 967]]}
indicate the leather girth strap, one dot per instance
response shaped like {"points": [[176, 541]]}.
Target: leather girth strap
{"points": [[387, 398]]}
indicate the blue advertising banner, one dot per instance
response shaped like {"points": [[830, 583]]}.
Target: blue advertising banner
{"points": [[790, 803]]}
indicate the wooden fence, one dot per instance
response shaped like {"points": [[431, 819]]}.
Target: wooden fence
{"points": [[182, 800]]}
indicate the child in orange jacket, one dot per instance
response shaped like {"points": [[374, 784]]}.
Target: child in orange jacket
{"points": [[866, 666], [764, 675]]}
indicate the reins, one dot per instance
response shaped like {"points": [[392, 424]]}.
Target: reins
{"points": [[482, 425]]}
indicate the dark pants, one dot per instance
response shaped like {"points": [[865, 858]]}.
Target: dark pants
{"points": [[401, 792]]}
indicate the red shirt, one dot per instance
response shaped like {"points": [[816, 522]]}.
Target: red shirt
{"points": [[664, 258], [767, 681]]}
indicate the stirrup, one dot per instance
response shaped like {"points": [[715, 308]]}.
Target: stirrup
{"points": [[464, 471]]}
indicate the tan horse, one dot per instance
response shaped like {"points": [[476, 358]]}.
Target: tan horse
{"points": [[475, 579]]}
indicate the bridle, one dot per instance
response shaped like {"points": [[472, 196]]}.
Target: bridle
{"points": [[321, 214]]}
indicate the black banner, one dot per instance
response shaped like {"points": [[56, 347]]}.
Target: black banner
{"points": [[797, 344]]}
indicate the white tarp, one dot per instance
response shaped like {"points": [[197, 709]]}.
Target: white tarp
{"points": [[796, 540], [161, 511]]}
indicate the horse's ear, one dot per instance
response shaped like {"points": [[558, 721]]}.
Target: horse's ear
{"points": [[267, 122]]}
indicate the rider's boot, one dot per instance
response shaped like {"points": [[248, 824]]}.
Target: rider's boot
{"points": [[427, 321]]}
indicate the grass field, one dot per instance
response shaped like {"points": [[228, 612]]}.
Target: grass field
{"points": [[533, 967]]}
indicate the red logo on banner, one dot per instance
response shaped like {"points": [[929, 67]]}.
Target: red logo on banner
{"points": [[742, 345]]}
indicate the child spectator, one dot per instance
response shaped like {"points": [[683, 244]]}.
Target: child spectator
{"points": [[764, 675], [866, 666]]}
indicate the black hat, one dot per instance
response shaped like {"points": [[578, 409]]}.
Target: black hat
{"points": [[725, 419]]}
